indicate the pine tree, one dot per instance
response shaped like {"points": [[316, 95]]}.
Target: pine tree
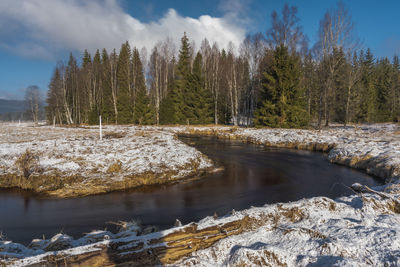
{"points": [[281, 103], [125, 111]]}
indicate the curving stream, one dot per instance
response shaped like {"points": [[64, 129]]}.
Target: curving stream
{"points": [[253, 176]]}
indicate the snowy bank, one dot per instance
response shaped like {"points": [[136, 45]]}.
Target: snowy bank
{"points": [[349, 231], [372, 148], [69, 162]]}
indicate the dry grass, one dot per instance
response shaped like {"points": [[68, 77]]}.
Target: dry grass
{"points": [[268, 258], [28, 163], [112, 135], [115, 167], [294, 214], [394, 206]]}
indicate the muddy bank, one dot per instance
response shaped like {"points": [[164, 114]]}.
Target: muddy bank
{"points": [[62, 186]]}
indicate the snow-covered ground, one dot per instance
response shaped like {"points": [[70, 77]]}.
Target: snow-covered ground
{"points": [[350, 231], [362, 229], [124, 154]]}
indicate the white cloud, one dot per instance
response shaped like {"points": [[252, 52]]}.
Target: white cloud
{"points": [[42, 28]]}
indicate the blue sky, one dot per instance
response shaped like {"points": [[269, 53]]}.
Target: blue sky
{"points": [[34, 34]]}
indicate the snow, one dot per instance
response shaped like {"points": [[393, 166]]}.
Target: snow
{"points": [[354, 233], [348, 231], [373, 148], [362, 229], [79, 151]]}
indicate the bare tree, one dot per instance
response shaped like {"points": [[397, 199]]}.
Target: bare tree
{"points": [[336, 33], [286, 30], [231, 78], [252, 50], [215, 71], [113, 81], [33, 100]]}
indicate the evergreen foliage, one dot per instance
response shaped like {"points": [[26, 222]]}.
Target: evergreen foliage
{"points": [[281, 103], [107, 111], [125, 109], [181, 92], [256, 84], [167, 111], [199, 99]]}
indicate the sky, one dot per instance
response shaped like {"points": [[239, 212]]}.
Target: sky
{"points": [[35, 34]]}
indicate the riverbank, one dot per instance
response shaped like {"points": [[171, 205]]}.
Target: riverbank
{"points": [[374, 149], [71, 162], [357, 230]]}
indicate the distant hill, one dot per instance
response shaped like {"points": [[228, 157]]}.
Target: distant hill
{"points": [[14, 110], [11, 106]]}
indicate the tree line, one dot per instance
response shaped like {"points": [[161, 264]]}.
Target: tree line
{"points": [[274, 79]]}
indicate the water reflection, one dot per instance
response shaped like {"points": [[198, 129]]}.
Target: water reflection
{"points": [[252, 176]]}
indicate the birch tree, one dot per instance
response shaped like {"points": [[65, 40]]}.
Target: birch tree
{"points": [[336, 32]]}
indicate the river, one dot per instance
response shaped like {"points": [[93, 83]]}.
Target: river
{"points": [[253, 175]]}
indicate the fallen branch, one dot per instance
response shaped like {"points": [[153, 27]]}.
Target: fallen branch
{"points": [[365, 189]]}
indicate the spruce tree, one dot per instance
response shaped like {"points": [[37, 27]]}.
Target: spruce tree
{"points": [[167, 110], [87, 69], [54, 109], [384, 84], [182, 110], [339, 94], [395, 110], [368, 80], [125, 111], [107, 109], [200, 99], [282, 104], [72, 91], [167, 107], [94, 112]]}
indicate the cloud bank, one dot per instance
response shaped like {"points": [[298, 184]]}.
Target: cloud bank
{"points": [[44, 28]]}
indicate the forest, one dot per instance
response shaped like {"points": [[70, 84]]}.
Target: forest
{"points": [[276, 79]]}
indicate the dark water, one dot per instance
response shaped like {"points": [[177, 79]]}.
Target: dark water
{"points": [[253, 176]]}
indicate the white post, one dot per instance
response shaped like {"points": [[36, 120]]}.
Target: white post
{"points": [[101, 130], [19, 122]]}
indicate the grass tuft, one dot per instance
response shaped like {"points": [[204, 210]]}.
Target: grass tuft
{"points": [[28, 163]]}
